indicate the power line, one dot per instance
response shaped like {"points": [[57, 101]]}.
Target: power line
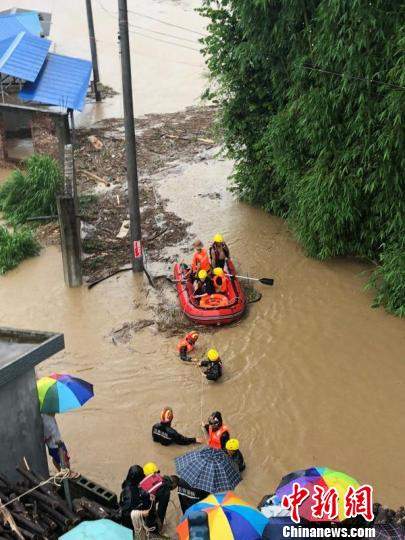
{"points": [[165, 22], [163, 33], [112, 14], [163, 41], [374, 81]]}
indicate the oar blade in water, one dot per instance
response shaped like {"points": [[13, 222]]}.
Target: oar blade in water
{"points": [[267, 281]]}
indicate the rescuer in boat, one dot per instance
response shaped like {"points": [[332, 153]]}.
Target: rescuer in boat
{"points": [[219, 252], [232, 449], [203, 284], [218, 432], [186, 345], [212, 366], [163, 433], [200, 260], [220, 281]]}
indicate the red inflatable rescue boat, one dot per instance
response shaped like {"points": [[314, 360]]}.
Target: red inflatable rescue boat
{"points": [[213, 309]]}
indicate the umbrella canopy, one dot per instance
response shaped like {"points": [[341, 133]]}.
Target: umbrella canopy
{"points": [[94, 530], [316, 476], [208, 469], [229, 518], [61, 392]]}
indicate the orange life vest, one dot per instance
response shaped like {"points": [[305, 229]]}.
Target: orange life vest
{"points": [[214, 437], [184, 343], [220, 284], [201, 261]]}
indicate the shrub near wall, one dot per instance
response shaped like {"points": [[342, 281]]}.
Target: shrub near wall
{"points": [[311, 142]]}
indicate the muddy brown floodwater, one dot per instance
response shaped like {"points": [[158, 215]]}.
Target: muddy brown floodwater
{"points": [[313, 375]]}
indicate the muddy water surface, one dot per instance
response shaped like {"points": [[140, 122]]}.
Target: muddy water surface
{"points": [[312, 374]]}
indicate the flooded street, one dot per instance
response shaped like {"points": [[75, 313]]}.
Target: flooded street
{"points": [[312, 374]]}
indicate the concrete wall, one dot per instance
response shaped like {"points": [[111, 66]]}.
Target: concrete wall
{"points": [[21, 431]]}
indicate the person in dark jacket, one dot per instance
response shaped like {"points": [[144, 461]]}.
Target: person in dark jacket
{"points": [[203, 284], [187, 494], [132, 496], [164, 434], [212, 366], [232, 449]]}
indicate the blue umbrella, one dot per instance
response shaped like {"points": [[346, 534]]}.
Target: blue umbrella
{"points": [[95, 530], [208, 469]]}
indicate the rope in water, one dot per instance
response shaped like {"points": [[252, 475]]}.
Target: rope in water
{"points": [[56, 479]]}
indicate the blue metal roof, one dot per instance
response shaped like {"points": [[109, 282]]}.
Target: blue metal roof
{"points": [[63, 81], [23, 56], [10, 26], [29, 21]]}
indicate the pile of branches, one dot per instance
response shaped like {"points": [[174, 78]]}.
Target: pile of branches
{"points": [[41, 514]]}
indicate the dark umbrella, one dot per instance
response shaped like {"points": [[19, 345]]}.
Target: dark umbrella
{"points": [[208, 470]]}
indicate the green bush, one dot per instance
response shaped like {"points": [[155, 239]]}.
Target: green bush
{"points": [[313, 140], [15, 247], [32, 192]]}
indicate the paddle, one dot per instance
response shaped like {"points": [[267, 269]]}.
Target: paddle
{"points": [[264, 280]]}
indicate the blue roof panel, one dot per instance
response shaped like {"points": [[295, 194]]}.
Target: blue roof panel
{"points": [[63, 81], [10, 26], [29, 21], [23, 56]]}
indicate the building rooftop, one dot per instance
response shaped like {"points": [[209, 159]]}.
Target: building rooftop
{"points": [[21, 350]]}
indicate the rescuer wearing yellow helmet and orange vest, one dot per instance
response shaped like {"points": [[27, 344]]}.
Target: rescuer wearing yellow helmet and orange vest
{"points": [[232, 449], [212, 365], [219, 252], [220, 281]]}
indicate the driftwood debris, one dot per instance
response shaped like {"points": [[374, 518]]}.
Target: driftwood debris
{"points": [[41, 513]]}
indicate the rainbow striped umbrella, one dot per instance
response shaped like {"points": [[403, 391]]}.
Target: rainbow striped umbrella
{"points": [[229, 518], [61, 392], [316, 476]]}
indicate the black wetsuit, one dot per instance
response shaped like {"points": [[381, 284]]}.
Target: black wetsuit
{"points": [[166, 435], [205, 287], [238, 461], [189, 495], [213, 370]]}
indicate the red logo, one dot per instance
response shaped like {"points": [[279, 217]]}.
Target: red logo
{"points": [[359, 502], [137, 249], [326, 502], [295, 500]]}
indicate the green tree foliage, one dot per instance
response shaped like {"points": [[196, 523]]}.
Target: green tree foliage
{"points": [[15, 247], [324, 150], [32, 192]]}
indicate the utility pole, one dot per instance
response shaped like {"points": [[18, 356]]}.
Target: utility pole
{"points": [[130, 142], [93, 48]]}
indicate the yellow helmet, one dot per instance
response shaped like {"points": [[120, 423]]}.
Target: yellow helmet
{"points": [[213, 355], [218, 238], [232, 445], [218, 272], [202, 274], [150, 468]]}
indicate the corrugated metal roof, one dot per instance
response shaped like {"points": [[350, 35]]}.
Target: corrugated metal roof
{"points": [[63, 81], [10, 26], [44, 18], [29, 20], [23, 56]]}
